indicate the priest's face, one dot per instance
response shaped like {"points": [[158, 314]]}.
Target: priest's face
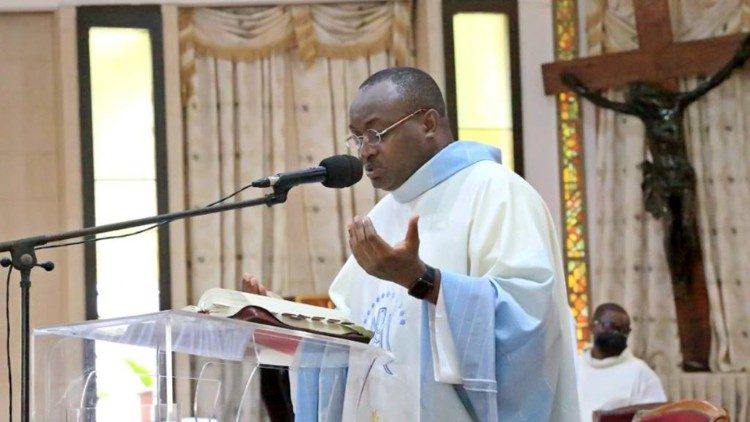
{"points": [[380, 114]]}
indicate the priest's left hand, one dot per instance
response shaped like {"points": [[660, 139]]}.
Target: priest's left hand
{"points": [[399, 263]]}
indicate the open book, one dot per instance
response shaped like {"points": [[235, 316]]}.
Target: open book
{"points": [[279, 313]]}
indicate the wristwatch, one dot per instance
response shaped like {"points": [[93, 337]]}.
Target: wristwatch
{"points": [[424, 284]]}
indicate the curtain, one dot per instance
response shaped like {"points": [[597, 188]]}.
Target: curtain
{"points": [[266, 90], [628, 261]]}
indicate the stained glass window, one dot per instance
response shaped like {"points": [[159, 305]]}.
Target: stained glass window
{"points": [[572, 174]]}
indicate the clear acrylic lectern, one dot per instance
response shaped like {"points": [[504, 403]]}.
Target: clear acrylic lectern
{"points": [[195, 355]]}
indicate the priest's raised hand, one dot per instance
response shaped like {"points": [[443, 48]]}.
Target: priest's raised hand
{"points": [[399, 263]]}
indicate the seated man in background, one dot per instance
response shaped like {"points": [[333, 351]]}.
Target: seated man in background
{"points": [[609, 376]]}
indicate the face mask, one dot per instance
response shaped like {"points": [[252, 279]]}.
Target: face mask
{"points": [[611, 342]]}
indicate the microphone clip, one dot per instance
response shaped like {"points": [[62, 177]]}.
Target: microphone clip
{"points": [[278, 196]]}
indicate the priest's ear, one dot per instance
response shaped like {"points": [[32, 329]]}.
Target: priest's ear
{"points": [[431, 123]]}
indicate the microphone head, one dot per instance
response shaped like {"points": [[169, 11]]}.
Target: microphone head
{"points": [[342, 171]]}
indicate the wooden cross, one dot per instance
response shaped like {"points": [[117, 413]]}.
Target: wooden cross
{"points": [[659, 61]]}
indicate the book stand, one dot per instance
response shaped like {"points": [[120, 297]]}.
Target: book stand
{"points": [[198, 359]]}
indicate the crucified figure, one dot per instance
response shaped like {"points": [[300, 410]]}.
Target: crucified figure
{"points": [[668, 178]]}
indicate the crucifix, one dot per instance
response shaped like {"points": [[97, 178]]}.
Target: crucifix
{"points": [[668, 178]]}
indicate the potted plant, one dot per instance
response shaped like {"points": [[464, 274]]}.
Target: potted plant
{"points": [[146, 396]]}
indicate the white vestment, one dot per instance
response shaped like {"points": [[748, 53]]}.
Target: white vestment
{"points": [[619, 381], [499, 342]]}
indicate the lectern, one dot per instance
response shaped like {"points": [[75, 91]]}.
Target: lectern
{"points": [[64, 383]]}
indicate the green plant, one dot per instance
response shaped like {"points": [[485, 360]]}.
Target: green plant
{"points": [[145, 376]]}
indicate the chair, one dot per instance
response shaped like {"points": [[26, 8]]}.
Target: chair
{"points": [[683, 411], [317, 300], [622, 414]]}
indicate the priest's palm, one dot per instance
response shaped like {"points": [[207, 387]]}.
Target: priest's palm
{"points": [[399, 263]]}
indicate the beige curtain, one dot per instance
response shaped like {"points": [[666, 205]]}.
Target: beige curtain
{"points": [[269, 89], [266, 90], [629, 266]]}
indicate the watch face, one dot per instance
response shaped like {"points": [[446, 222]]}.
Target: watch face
{"points": [[420, 288], [423, 285]]}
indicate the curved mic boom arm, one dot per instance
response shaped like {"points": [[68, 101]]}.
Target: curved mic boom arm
{"points": [[23, 258]]}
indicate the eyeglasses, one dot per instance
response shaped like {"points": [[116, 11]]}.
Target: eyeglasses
{"points": [[373, 137], [611, 326]]}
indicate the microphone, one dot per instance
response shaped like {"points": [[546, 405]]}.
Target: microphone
{"points": [[338, 171]]}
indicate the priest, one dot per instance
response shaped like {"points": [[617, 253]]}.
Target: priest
{"points": [[457, 271]]}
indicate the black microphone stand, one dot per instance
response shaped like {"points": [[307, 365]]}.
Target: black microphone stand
{"points": [[23, 258]]}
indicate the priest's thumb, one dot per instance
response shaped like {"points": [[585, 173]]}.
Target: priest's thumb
{"points": [[412, 232]]}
